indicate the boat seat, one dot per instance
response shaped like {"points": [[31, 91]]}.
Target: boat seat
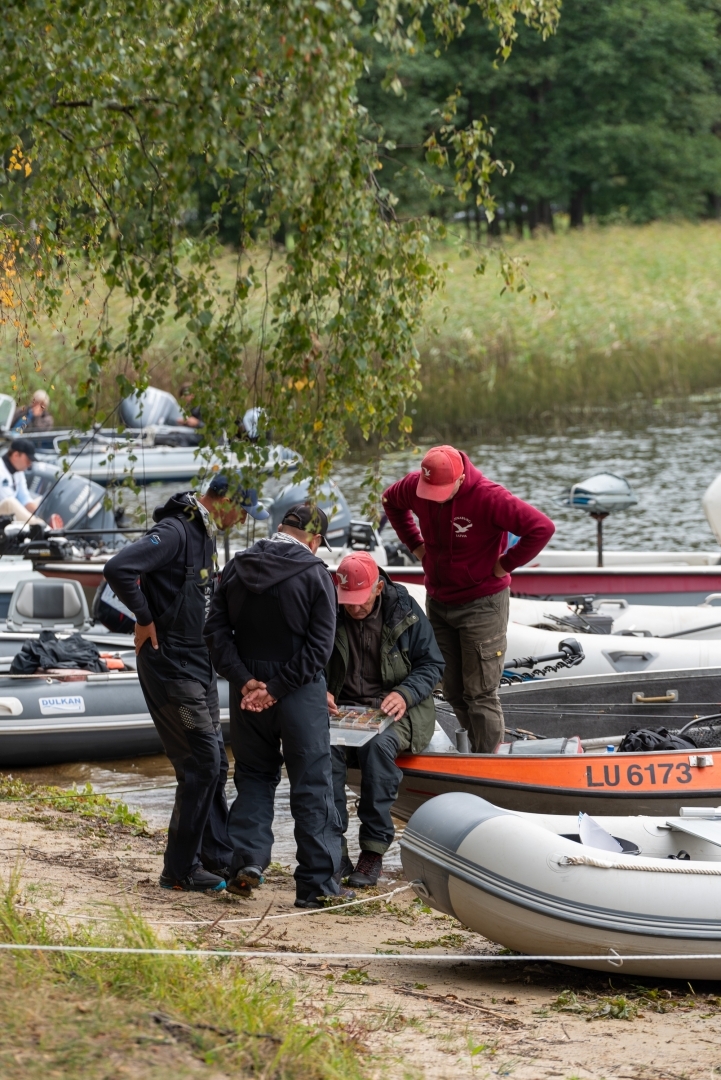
{"points": [[48, 605]]}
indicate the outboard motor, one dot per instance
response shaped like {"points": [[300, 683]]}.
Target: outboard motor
{"points": [[711, 504], [330, 498], [599, 496], [70, 499], [152, 407]]}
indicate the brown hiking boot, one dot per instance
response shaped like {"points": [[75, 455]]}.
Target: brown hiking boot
{"points": [[367, 871]]}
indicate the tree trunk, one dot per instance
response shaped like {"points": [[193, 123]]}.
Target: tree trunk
{"points": [[545, 214], [578, 199], [518, 219]]}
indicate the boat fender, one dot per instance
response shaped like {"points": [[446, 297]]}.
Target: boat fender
{"points": [[534, 747], [444, 822]]}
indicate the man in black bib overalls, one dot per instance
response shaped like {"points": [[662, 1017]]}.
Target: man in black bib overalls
{"points": [[167, 578]]}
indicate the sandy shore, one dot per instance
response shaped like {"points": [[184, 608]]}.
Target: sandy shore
{"points": [[417, 1019]]}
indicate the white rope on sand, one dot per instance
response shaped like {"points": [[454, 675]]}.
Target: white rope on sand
{"points": [[613, 958], [334, 909]]}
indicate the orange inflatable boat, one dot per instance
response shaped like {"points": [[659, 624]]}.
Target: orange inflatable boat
{"points": [[638, 783]]}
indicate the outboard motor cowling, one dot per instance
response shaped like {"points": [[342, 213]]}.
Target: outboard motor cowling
{"points": [[330, 498], [152, 407], [79, 503]]}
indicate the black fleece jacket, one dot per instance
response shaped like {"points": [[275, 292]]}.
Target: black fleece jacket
{"points": [[160, 556], [307, 600]]}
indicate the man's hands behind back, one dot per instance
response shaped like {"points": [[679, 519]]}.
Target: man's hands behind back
{"points": [[255, 697]]}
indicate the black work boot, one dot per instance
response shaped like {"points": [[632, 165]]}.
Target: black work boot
{"points": [[244, 881], [200, 880], [320, 901], [367, 871], [346, 868]]}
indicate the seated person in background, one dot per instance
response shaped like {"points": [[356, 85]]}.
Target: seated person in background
{"points": [[385, 656], [14, 495], [35, 416], [191, 413]]}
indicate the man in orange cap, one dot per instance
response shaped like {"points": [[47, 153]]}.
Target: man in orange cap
{"points": [[461, 537], [385, 657]]}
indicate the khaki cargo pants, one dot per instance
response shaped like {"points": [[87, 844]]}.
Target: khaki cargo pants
{"points": [[472, 638]]}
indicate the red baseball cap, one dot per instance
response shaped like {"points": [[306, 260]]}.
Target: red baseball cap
{"points": [[356, 575], [440, 469]]}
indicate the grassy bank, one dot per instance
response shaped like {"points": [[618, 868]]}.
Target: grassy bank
{"points": [[98, 1015], [634, 316]]}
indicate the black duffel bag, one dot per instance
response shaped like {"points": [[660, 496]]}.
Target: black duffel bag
{"points": [[641, 740]]}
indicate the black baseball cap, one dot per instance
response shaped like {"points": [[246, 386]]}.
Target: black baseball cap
{"points": [[308, 518], [23, 446]]}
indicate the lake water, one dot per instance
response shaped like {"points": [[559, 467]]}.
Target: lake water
{"points": [[669, 461]]}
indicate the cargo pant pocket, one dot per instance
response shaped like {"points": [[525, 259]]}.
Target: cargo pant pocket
{"points": [[491, 654], [187, 701]]}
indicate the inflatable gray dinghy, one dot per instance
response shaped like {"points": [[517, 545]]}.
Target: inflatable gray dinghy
{"points": [[629, 901], [73, 715]]}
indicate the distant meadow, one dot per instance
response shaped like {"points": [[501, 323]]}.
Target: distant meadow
{"points": [[633, 318]]}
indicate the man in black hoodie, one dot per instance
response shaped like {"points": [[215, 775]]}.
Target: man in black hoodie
{"points": [[270, 632], [166, 578]]}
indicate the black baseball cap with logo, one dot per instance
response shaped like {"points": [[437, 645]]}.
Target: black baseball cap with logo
{"points": [[308, 518]]}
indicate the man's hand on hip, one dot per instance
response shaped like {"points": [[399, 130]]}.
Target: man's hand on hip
{"points": [[394, 705], [420, 552], [498, 570], [142, 634]]}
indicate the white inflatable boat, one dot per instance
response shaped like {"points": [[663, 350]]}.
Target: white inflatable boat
{"points": [[614, 616], [606, 653], [610, 616], [603, 653], [525, 881]]}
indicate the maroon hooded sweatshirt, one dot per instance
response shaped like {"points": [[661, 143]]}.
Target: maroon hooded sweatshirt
{"points": [[465, 536]]}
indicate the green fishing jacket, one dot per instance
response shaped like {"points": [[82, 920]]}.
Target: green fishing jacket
{"points": [[411, 662]]}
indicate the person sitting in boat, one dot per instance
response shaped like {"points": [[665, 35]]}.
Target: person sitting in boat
{"points": [[14, 495], [35, 416], [192, 416], [386, 657]]}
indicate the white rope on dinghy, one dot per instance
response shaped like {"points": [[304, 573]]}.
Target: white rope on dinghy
{"points": [[672, 868]]}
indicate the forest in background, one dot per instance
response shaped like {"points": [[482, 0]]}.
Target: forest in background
{"points": [[616, 116], [610, 131]]}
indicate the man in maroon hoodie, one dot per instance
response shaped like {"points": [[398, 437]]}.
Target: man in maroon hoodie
{"points": [[462, 540]]}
